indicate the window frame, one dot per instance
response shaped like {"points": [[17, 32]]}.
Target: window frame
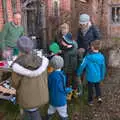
{"points": [[53, 9], [111, 19]]}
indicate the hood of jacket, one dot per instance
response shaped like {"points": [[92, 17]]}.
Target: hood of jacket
{"points": [[95, 58], [31, 66]]}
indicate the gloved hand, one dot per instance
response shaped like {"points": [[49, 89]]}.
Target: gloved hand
{"points": [[68, 90]]}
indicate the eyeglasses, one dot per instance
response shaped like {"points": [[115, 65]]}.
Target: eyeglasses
{"points": [[84, 24]]}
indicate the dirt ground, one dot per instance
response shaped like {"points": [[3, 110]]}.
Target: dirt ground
{"points": [[110, 108], [78, 108]]}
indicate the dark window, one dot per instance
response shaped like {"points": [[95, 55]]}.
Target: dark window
{"points": [[116, 15]]}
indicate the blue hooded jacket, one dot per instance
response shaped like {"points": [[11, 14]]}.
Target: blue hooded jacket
{"points": [[94, 66], [57, 89]]}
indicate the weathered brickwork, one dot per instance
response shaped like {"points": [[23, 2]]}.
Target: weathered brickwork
{"points": [[1, 15], [77, 9], [9, 10]]}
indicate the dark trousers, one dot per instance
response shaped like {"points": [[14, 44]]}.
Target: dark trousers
{"points": [[90, 90], [71, 80], [34, 115]]}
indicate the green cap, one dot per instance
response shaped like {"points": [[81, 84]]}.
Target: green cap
{"points": [[54, 47]]}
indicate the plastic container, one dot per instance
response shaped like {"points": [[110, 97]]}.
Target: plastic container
{"points": [[2, 63]]}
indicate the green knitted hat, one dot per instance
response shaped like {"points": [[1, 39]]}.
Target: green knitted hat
{"points": [[54, 47]]}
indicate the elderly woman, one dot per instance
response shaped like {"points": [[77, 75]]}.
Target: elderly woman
{"points": [[87, 33]]}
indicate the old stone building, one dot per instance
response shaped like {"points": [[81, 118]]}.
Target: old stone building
{"points": [[34, 20], [104, 13], [68, 11], [59, 11]]}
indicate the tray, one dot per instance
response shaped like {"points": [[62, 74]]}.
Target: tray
{"points": [[7, 92]]}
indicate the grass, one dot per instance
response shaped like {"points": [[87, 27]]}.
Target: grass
{"points": [[75, 106]]}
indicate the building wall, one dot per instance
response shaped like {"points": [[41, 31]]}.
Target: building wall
{"points": [[104, 18], [108, 28], [78, 8], [114, 29], [53, 22], [99, 13], [9, 10], [1, 16]]}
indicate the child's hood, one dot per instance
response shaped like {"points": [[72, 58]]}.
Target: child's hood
{"points": [[96, 58], [31, 66]]}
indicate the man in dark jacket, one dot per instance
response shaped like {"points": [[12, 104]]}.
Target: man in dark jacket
{"points": [[86, 33]]}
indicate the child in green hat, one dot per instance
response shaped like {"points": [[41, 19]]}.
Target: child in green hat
{"points": [[54, 49]]}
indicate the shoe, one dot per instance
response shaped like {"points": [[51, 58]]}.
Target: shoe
{"points": [[99, 100], [63, 118], [90, 103]]}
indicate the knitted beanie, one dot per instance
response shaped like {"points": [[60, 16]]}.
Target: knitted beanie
{"points": [[25, 44], [54, 47], [84, 18], [57, 62]]}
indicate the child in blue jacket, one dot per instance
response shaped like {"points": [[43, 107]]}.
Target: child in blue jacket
{"points": [[57, 89], [94, 66]]}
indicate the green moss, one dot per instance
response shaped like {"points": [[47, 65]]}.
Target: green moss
{"points": [[116, 38]]}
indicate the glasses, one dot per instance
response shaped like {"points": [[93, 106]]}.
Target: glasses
{"points": [[84, 24]]}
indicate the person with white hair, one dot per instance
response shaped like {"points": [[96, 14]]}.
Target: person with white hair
{"points": [[87, 33], [11, 32]]}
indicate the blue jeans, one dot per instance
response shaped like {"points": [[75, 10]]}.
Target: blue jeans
{"points": [[90, 90], [32, 115]]}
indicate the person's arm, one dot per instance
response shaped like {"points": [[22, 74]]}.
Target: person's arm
{"points": [[81, 67], [97, 33], [78, 40], [3, 34]]}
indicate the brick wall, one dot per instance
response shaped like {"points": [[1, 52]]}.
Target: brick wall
{"points": [[9, 10], [98, 10], [53, 22], [1, 16], [18, 5], [78, 8], [114, 29]]}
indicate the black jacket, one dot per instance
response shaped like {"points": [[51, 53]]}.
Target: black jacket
{"points": [[92, 34]]}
